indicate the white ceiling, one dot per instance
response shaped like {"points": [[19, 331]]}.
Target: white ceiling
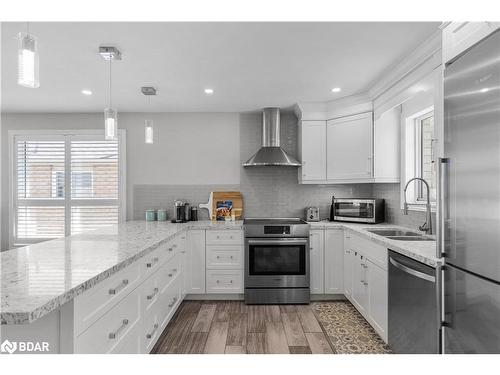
{"points": [[249, 65]]}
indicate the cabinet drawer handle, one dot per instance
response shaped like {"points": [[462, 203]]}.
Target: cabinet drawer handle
{"points": [[172, 273], [348, 251], [170, 249], [183, 252], [231, 257], [218, 237], [152, 263], [231, 237], [218, 257], [173, 302], [155, 327], [217, 281], [123, 284], [174, 246], [231, 281], [155, 291], [113, 335]]}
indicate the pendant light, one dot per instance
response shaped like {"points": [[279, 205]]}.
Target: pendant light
{"points": [[148, 124], [110, 114], [28, 60]]}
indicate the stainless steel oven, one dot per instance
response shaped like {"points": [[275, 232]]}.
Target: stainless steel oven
{"points": [[276, 261], [358, 210]]}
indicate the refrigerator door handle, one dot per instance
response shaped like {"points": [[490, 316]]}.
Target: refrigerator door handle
{"points": [[442, 209], [411, 271]]}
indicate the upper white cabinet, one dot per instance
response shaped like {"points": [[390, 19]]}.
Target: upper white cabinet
{"points": [[334, 261], [312, 151], [386, 146], [316, 260], [460, 36], [349, 149]]}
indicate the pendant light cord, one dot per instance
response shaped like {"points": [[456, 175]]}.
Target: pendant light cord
{"points": [[110, 58]]}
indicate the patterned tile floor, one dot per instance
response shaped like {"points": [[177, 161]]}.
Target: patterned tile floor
{"points": [[347, 331]]}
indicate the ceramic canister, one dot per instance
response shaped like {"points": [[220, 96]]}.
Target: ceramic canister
{"points": [[150, 215], [162, 214]]}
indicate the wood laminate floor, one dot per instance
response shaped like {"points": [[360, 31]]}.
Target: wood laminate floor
{"points": [[231, 327]]}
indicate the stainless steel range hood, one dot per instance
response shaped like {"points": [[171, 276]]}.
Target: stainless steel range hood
{"points": [[271, 154]]}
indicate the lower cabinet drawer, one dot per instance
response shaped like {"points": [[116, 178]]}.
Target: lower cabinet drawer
{"points": [[224, 281], [225, 257], [95, 302], [169, 301], [168, 272], [224, 237], [113, 330], [151, 331]]}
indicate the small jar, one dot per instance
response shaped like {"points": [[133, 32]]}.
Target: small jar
{"points": [[150, 215], [162, 214]]}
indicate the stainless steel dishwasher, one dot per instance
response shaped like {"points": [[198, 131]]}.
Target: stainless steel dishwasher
{"points": [[414, 321]]}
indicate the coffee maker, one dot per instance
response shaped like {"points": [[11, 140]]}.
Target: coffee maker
{"points": [[180, 214]]}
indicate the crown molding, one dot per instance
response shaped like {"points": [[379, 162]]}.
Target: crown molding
{"points": [[420, 55]]}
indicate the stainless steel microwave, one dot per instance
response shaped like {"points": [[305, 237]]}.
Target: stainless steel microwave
{"points": [[358, 210]]}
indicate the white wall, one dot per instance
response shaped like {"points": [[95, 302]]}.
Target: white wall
{"points": [[189, 148]]}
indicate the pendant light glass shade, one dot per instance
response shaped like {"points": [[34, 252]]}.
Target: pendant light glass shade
{"points": [[110, 124], [28, 61], [148, 131]]}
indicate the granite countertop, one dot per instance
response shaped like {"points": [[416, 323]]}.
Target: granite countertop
{"points": [[39, 278], [422, 251]]}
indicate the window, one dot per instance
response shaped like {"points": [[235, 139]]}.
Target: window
{"points": [[64, 184], [419, 139], [424, 165]]}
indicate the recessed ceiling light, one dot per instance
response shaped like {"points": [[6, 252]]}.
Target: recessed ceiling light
{"points": [[86, 92], [336, 89], [209, 91], [485, 90]]}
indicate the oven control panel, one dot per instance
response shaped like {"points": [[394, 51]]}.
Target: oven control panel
{"points": [[276, 229]]}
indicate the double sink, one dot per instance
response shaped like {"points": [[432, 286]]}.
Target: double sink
{"points": [[400, 234]]}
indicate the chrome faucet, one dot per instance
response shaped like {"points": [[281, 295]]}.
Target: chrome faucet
{"points": [[427, 226]]}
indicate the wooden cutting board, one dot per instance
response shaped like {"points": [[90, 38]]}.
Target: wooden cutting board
{"points": [[218, 196]]}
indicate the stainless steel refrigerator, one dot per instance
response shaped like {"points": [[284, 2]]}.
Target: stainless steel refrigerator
{"points": [[469, 196]]}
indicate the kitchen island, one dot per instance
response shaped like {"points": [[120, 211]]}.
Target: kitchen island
{"points": [[61, 290]]}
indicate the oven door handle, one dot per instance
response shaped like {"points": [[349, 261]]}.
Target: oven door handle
{"points": [[277, 241]]}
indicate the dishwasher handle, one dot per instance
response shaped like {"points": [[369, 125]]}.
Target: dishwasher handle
{"points": [[411, 271]]}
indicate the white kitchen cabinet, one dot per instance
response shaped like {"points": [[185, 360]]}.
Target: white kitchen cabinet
{"points": [[365, 280], [386, 146], [377, 279], [312, 151], [359, 284], [195, 272], [334, 261], [460, 36], [348, 272], [316, 261], [350, 149]]}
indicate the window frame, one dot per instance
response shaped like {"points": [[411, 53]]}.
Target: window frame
{"points": [[66, 135], [418, 157], [409, 162]]}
